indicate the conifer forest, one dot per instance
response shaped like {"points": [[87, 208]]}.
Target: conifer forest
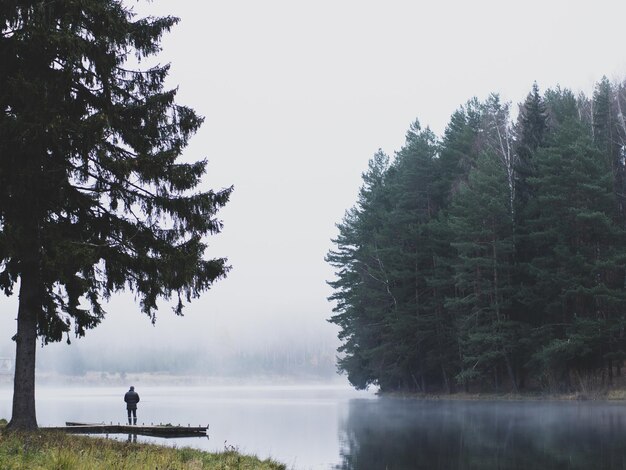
{"points": [[493, 258]]}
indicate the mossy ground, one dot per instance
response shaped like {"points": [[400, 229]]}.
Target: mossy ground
{"points": [[43, 450]]}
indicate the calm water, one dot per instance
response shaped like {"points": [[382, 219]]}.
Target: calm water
{"points": [[337, 428]]}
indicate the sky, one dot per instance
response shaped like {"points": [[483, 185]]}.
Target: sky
{"points": [[297, 97]]}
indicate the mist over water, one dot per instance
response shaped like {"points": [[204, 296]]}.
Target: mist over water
{"points": [[296, 425], [416, 434], [335, 427]]}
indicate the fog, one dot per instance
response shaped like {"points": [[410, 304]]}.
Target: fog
{"points": [[297, 97], [197, 344], [422, 434], [323, 427]]}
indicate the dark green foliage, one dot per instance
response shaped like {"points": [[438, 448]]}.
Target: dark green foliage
{"points": [[361, 288], [493, 259], [92, 191], [421, 321], [93, 195], [579, 264], [481, 222], [609, 135], [530, 132], [458, 148]]}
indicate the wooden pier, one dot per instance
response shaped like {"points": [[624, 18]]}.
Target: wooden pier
{"points": [[161, 430]]}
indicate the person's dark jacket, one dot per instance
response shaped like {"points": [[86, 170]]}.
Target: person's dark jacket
{"points": [[131, 398]]}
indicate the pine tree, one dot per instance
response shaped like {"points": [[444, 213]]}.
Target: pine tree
{"points": [[482, 228], [604, 119], [620, 137], [561, 106], [608, 136], [93, 197], [458, 150], [578, 267], [419, 332], [362, 289], [385, 307], [497, 139], [530, 132]]}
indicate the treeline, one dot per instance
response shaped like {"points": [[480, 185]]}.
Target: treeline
{"points": [[492, 258], [306, 359]]}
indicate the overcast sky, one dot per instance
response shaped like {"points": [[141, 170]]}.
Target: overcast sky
{"points": [[298, 95]]}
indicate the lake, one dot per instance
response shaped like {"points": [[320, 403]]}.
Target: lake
{"points": [[334, 427]]}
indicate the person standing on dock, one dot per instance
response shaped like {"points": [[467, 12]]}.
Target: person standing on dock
{"points": [[131, 398]]}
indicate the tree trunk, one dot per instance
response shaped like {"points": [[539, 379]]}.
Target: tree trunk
{"points": [[23, 416], [496, 379], [446, 382], [511, 372]]}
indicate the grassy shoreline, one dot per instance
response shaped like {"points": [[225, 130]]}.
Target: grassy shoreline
{"points": [[596, 395], [44, 450]]}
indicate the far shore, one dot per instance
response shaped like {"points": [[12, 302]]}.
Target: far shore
{"points": [[106, 379], [167, 379], [595, 395]]}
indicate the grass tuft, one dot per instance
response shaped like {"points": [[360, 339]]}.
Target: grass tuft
{"points": [[44, 450]]}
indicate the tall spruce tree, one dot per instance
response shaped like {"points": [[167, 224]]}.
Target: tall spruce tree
{"points": [[93, 197], [530, 134]]}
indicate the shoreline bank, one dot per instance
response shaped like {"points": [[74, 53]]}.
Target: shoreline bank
{"points": [[48, 450], [604, 395]]}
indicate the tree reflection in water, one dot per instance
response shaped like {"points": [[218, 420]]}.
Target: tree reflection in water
{"points": [[411, 434]]}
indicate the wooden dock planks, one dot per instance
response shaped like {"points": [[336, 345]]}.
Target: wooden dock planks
{"points": [[154, 431]]}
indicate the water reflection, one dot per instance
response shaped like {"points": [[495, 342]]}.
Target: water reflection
{"points": [[399, 434]]}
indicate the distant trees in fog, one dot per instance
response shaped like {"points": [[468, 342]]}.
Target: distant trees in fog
{"points": [[312, 359], [492, 258]]}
